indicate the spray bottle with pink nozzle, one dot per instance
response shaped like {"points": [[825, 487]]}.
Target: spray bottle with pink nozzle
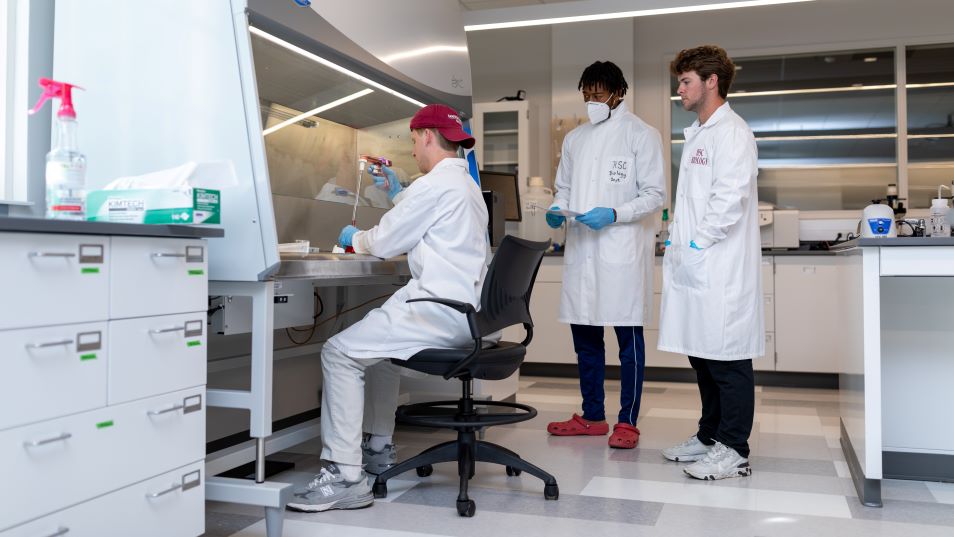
{"points": [[65, 165]]}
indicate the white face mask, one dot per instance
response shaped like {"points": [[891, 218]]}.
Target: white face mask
{"points": [[598, 111]]}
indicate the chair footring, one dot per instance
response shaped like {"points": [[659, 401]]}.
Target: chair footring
{"points": [[416, 414]]}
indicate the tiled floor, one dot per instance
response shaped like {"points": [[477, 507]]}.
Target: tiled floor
{"points": [[799, 486]]}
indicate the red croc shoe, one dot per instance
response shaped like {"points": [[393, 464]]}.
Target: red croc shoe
{"points": [[577, 426], [624, 436]]}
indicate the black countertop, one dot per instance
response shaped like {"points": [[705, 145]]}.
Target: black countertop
{"points": [[896, 241], [80, 227]]}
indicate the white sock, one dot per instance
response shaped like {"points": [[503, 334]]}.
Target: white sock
{"points": [[377, 441], [350, 472]]}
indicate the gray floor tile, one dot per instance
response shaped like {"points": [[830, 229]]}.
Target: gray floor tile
{"points": [[225, 524], [906, 511], [568, 506]]}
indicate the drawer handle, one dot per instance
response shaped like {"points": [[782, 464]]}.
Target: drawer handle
{"points": [[57, 438], [167, 330], [172, 408], [49, 344], [165, 254], [59, 531], [52, 254], [173, 488]]}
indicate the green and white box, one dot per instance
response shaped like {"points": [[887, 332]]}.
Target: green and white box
{"points": [[155, 206]]}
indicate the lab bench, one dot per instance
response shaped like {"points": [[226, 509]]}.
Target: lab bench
{"points": [[896, 367], [105, 345]]}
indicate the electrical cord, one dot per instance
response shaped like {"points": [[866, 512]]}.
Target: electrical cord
{"points": [[316, 324]]}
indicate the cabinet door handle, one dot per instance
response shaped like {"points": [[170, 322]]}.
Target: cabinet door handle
{"points": [[58, 438], [173, 488], [52, 254], [59, 531], [61, 343], [166, 410], [167, 330], [166, 254]]}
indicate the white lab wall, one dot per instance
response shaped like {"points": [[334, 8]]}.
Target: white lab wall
{"points": [[643, 47]]}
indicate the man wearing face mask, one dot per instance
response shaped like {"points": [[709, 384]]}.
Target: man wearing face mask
{"points": [[611, 170]]}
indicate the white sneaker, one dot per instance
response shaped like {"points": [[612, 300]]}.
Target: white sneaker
{"points": [[721, 462], [690, 450]]}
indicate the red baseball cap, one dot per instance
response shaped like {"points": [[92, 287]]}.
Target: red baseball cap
{"points": [[445, 120]]}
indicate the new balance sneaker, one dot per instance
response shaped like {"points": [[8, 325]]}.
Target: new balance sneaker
{"points": [[376, 462], [329, 490], [721, 462], [690, 450]]}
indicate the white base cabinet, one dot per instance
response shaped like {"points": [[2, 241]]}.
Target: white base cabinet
{"points": [[103, 428]]}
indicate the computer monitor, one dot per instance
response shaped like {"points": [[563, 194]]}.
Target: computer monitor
{"points": [[506, 185]]}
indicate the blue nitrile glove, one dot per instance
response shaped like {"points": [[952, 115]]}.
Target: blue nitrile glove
{"points": [[598, 218], [667, 244], [694, 246], [378, 173], [555, 220], [344, 240]]}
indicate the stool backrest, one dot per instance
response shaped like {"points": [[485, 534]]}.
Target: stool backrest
{"points": [[505, 297]]}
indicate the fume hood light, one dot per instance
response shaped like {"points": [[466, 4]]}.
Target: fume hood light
{"points": [[315, 111], [871, 59], [318, 59], [422, 52], [628, 14]]}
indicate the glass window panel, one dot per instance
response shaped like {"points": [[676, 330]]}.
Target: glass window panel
{"points": [[826, 131], [930, 88]]}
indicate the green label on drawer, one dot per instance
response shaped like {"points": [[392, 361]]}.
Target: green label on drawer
{"points": [[196, 272], [104, 424], [89, 270], [90, 356], [193, 343]]}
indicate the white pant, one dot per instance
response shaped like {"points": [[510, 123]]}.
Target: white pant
{"points": [[349, 403]]}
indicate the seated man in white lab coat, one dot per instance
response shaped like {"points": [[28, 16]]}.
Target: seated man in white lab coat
{"points": [[440, 222]]}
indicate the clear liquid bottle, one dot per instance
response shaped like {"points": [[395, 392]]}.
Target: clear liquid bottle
{"points": [[664, 230], [65, 165], [938, 223]]}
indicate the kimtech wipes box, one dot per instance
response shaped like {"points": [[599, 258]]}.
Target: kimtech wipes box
{"points": [[180, 195], [155, 206]]}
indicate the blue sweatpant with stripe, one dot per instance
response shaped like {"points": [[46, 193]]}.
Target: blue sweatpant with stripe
{"points": [[591, 359]]}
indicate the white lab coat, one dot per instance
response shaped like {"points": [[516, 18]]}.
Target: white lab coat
{"points": [[712, 299], [440, 221], [608, 274]]}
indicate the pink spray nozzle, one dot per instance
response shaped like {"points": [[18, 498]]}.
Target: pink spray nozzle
{"points": [[57, 90]]}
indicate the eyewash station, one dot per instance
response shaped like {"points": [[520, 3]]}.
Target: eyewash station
{"points": [[290, 125]]}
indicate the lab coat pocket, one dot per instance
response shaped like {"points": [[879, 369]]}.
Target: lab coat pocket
{"points": [[692, 271], [619, 170], [618, 244]]}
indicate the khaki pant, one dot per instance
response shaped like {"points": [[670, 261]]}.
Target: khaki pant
{"points": [[358, 395]]}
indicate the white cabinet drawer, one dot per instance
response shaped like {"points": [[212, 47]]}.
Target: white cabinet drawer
{"points": [[52, 371], [153, 276], [172, 504], [53, 279], [153, 355], [58, 463]]}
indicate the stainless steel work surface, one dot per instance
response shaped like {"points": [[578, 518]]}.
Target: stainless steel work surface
{"points": [[341, 268]]}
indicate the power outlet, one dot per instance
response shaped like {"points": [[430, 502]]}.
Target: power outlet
{"points": [[281, 299]]}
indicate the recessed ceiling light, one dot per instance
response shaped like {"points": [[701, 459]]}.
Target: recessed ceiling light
{"points": [[627, 14], [871, 59]]}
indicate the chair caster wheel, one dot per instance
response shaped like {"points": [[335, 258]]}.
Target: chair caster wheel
{"points": [[511, 471], [466, 508], [380, 490], [551, 492], [424, 471]]}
